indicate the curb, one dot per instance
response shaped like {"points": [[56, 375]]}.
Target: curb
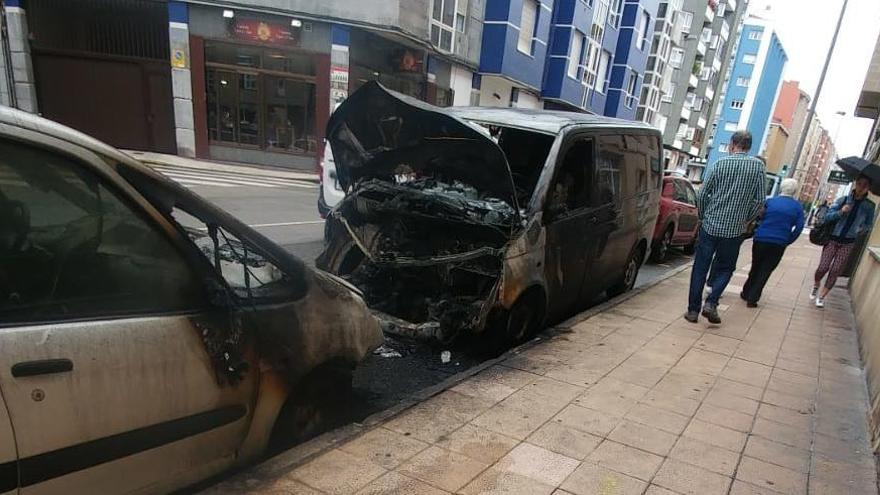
{"points": [[290, 459], [243, 169]]}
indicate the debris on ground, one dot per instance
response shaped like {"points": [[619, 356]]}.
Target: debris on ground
{"points": [[387, 352], [445, 357]]}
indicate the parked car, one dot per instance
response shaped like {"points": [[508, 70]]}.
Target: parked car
{"points": [[330, 193], [447, 231], [149, 339], [678, 223]]}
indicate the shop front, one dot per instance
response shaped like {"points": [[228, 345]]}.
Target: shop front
{"points": [[266, 88]]}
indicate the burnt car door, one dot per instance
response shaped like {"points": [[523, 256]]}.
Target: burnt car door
{"points": [[103, 369], [606, 201], [569, 220]]}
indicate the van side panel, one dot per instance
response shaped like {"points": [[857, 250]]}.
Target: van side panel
{"points": [[8, 455]]}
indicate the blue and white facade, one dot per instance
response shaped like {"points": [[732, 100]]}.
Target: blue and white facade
{"points": [[588, 55], [631, 58], [753, 87], [514, 51]]}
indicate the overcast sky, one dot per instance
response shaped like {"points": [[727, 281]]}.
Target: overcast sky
{"points": [[806, 28]]}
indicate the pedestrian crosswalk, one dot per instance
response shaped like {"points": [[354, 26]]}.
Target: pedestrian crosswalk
{"points": [[191, 177]]}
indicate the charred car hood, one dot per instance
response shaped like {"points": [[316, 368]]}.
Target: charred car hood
{"points": [[379, 134]]}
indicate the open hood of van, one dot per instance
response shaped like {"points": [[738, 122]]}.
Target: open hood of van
{"points": [[380, 134]]}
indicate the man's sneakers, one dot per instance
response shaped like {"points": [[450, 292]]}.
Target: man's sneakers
{"points": [[813, 293], [820, 302], [710, 312], [692, 316]]}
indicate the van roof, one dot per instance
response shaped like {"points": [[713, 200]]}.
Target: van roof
{"points": [[545, 121]]}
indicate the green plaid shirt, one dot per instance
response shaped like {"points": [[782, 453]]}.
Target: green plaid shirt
{"points": [[732, 195]]}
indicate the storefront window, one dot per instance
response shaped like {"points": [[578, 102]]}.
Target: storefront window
{"points": [[261, 98]]}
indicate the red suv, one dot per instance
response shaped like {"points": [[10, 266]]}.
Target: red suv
{"points": [[678, 222]]}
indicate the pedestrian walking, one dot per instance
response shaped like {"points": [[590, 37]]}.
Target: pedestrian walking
{"points": [[854, 215], [782, 222], [728, 201]]}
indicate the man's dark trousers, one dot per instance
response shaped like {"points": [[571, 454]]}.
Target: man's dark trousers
{"points": [[724, 252], [765, 259]]}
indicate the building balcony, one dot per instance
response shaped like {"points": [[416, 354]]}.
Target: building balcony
{"points": [[725, 30], [731, 5], [716, 63], [677, 144], [693, 81], [685, 113], [701, 48], [695, 151], [710, 14], [710, 93], [701, 122]]}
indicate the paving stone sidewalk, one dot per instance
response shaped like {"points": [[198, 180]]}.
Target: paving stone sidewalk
{"points": [[635, 400]]}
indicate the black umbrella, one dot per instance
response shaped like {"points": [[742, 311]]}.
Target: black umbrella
{"points": [[855, 167]]}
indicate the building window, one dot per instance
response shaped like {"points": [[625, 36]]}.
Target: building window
{"points": [[706, 35], [604, 66], [676, 58], [715, 42], [698, 104], [268, 104], [749, 58], [576, 55], [687, 19], [682, 130], [669, 93], [631, 88], [756, 34], [615, 13], [527, 26], [460, 23], [642, 33], [736, 104], [743, 82], [662, 9], [723, 148], [690, 99], [731, 126], [443, 24]]}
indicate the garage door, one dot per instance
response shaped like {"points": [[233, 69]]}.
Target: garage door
{"points": [[101, 66]]}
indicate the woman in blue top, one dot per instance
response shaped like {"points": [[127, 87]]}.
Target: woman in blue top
{"points": [[781, 224], [854, 215]]}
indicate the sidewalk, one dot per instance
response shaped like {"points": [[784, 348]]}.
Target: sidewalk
{"points": [[242, 169], [633, 400]]}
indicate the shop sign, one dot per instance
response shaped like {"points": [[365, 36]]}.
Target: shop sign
{"points": [[264, 32], [838, 177], [338, 83]]}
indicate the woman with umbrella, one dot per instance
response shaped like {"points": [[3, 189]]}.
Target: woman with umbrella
{"points": [[854, 215]]}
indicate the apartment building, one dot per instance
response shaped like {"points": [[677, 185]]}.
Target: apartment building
{"points": [[752, 90], [702, 36], [789, 117], [668, 36]]}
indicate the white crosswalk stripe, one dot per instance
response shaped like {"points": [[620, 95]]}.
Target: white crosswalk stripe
{"points": [[190, 177]]}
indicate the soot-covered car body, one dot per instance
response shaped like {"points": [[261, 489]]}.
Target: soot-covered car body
{"points": [[467, 219]]}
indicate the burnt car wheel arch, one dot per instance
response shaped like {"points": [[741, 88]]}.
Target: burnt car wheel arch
{"points": [[631, 270]]}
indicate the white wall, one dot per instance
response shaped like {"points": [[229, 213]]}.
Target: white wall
{"points": [[528, 100], [492, 86], [460, 81]]}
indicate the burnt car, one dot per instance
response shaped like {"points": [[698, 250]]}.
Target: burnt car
{"points": [[486, 220], [150, 340]]}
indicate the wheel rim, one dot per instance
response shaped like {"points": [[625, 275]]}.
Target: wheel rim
{"points": [[664, 244], [631, 270]]}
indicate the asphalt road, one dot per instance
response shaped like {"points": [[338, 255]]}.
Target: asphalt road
{"points": [[286, 212]]}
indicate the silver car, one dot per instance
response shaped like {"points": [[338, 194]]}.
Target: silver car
{"points": [[149, 340]]}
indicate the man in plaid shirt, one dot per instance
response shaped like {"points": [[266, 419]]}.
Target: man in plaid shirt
{"points": [[730, 198]]}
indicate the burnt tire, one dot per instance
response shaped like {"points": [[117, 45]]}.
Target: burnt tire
{"points": [[312, 405], [661, 248], [630, 274], [517, 325]]}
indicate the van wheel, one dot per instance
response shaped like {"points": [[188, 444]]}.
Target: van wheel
{"points": [[630, 274], [661, 247], [517, 325]]}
